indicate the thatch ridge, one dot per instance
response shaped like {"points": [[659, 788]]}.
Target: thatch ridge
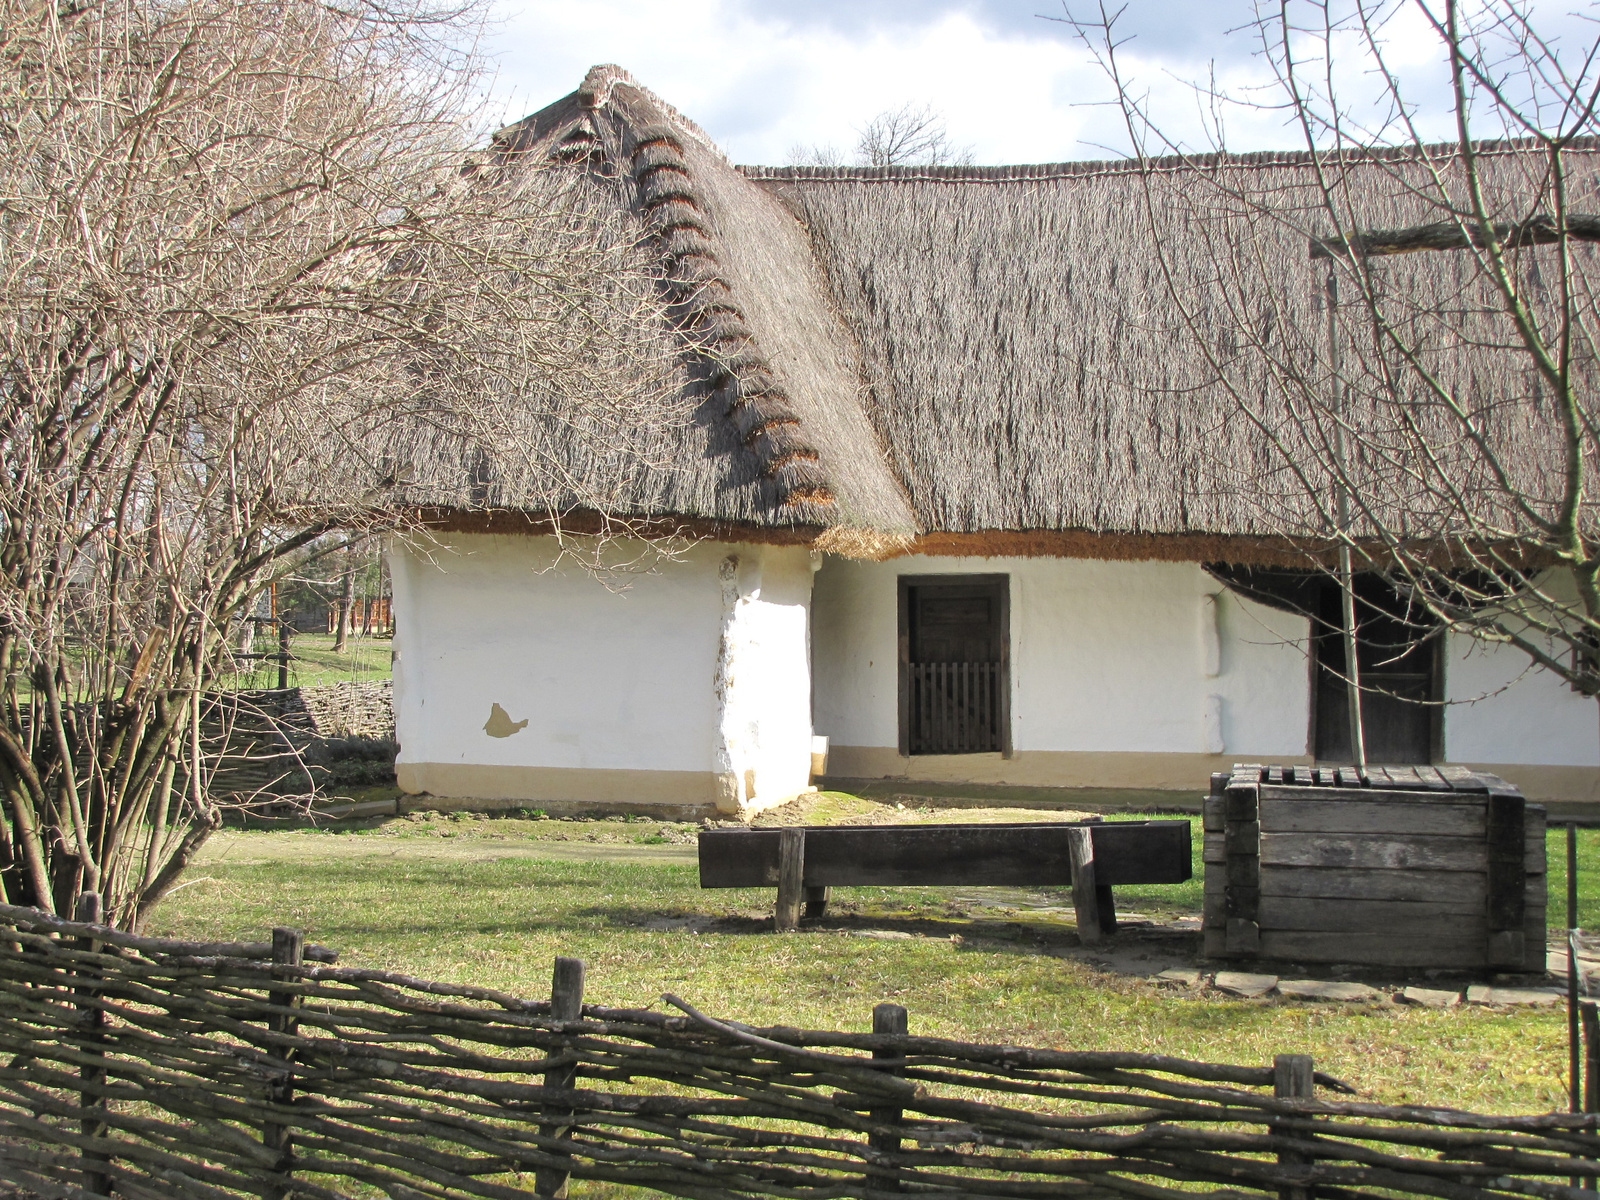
{"points": [[1437, 152]]}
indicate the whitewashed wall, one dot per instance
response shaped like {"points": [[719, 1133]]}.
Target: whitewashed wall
{"points": [[680, 687], [1504, 713], [1115, 666]]}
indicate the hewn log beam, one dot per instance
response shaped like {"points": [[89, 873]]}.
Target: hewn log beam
{"points": [[1452, 235]]}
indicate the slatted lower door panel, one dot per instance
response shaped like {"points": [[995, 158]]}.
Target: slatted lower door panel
{"points": [[955, 707]]}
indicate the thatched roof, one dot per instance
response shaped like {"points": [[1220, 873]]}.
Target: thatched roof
{"points": [[959, 351], [1030, 371], [781, 436]]}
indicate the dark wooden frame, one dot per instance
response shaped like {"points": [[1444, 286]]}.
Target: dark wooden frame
{"points": [[903, 651]]}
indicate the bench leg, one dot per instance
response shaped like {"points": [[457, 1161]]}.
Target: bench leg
{"points": [[816, 902], [1085, 891], [1107, 906], [791, 871]]}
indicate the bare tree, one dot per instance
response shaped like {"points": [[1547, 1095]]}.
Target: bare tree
{"points": [[252, 291], [1408, 326], [911, 135]]}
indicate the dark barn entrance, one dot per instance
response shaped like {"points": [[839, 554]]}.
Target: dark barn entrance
{"points": [[954, 664], [1398, 652]]}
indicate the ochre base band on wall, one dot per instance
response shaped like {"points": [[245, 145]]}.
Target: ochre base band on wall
{"points": [[1152, 771]]}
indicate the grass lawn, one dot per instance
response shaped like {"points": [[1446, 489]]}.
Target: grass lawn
{"points": [[314, 661], [492, 900]]}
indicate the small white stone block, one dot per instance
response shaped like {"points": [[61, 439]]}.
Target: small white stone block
{"points": [[884, 934], [1317, 989], [1430, 997], [1241, 983]]}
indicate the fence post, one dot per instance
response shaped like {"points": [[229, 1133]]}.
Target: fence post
{"points": [[891, 1019], [91, 1020], [566, 1004], [288, 950], [1294, 1078], [283, 658], [791, 878]]}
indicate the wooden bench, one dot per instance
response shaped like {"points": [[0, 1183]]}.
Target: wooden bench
{"points": [[1093, 857]]}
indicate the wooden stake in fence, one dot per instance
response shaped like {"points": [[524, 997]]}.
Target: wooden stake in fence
{"points": [[283, 656], [566, 1004], [890, 1019], [288, 950], [92, 1020], [1294, 1078], [791, 878]]}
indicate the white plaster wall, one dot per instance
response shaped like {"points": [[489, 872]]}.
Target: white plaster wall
{"points": [[625, 677], [1106, 656], [1504, 712], [763, 677]]}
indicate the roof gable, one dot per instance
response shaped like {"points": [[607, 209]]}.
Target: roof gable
{"points": [[773, 370]]}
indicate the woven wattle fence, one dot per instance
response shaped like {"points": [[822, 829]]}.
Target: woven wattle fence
{"points": [[153, 1069]]}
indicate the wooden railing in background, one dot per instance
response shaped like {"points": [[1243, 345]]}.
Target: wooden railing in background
{"points": [[170, 1070]]}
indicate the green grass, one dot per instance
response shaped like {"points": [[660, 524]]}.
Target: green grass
{"points": [[1588, 877], [432, 898], [315, 662]]}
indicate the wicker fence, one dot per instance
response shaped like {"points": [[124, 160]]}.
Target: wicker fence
{"points": [[149, 1068]]}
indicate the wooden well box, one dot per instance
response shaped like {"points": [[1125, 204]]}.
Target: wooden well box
{"points": [[1402, 867]]}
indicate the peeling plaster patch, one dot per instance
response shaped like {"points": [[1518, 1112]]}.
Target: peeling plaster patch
{"points": [[500, 723]]}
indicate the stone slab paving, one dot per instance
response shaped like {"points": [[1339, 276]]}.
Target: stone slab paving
{"points": [[1182, 976], [1514, 997], [1429, 997], [1242, 983], [1317, 989]]}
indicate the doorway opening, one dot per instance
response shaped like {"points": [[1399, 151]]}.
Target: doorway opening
{"points": [[1398, 651], [955, 687]]}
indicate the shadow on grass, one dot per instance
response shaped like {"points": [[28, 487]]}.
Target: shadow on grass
{"points": [[967, 934]]}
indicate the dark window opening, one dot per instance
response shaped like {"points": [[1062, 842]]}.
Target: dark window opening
{"points": [[954, 664]]}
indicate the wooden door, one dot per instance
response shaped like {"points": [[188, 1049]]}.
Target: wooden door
{"points": [[954, 657], [1397, 649]]}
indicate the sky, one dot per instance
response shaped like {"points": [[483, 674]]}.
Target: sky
{"points": [[762, 76]]}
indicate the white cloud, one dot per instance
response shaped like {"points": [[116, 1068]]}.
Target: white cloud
{"points": [[1016, 90], [759, 86]]}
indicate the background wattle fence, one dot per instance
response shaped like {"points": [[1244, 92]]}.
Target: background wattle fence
{"points": [[149, 1068]]}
